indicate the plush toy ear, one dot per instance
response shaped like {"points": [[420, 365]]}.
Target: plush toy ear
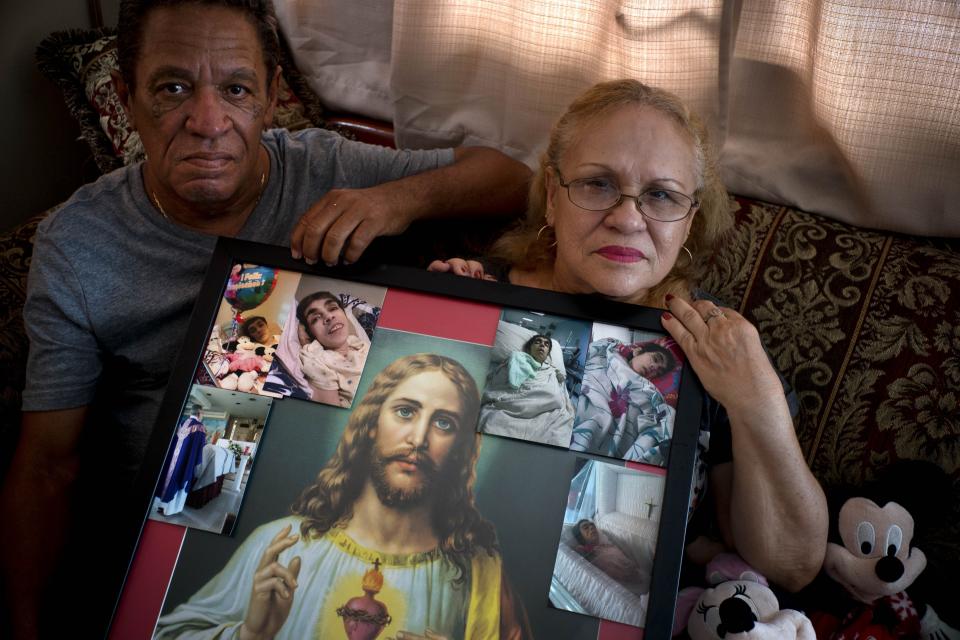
{"points": [[686, 601], [729, 566], [752, 576]]}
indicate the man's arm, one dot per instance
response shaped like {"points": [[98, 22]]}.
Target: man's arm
{"points": [[480, 181], [35, 501]]}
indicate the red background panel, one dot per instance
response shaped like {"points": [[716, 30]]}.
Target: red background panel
{"points": [[147, 582], [646, 468], [440, 317], [616, 631]]}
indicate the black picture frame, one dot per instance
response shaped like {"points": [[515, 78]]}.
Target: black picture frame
{"points": [[683, 447]]}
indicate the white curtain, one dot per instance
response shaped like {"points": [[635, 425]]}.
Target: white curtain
{"points": [[849, 108]]}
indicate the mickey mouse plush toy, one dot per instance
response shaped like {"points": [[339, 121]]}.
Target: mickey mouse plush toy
{"points": [[871, 556]]}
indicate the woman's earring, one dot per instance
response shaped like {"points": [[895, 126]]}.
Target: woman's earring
{"points": [[540, 234], [689, 255]]}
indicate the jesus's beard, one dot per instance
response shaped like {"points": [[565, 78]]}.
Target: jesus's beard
{"points": [[396, 497]]}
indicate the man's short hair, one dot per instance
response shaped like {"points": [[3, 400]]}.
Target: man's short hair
{"points": [[195, 409], [133, 17]]}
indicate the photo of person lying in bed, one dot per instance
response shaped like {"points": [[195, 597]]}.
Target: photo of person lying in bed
{"points": [[325, 341], [601, 552], [628, 400], [608, 541], [527, 394]]}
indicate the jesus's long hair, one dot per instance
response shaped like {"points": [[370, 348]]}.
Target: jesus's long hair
{"points": [[461, 529]]}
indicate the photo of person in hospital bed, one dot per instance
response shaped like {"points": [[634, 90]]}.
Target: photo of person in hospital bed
{"points": [[629, 396], [608, 541], [325, 341], [605, 555], [531, 381]]}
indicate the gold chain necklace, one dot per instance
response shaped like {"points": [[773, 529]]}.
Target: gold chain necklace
{"points": [[156, 200]]}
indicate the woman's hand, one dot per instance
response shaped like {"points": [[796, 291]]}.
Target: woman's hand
{"points": [[460, 267], [273, 589], [724, 349], [768, 479]]}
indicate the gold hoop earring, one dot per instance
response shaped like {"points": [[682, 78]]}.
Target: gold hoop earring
{"points": [[540, 235]]}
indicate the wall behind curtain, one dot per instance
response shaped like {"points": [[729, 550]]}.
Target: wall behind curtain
{"points": [[846, 108]]}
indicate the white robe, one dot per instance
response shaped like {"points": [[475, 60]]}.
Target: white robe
{"points": [[418, 591]]}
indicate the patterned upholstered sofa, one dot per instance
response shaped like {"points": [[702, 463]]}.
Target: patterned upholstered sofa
{"points": [[865, 325]]}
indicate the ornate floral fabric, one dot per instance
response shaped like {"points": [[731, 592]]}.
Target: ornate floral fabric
{"points": [[866, 326], [81, 63]]}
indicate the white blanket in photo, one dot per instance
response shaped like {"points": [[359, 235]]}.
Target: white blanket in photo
{"points": [[620, 413], [540, 410]]}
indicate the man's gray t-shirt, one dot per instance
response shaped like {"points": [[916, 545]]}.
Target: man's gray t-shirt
{"points": [[113, 283]]}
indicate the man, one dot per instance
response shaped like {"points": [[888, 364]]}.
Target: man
{"points": [[396, 498], [116, 271], [257, 329], [333, 359]]}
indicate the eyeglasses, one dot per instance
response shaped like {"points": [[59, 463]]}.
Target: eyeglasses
{"points": [[601, 193]]}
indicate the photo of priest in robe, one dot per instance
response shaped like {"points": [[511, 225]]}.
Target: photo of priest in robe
{"points": [[204, 479], [386, 542], [177, 475]]}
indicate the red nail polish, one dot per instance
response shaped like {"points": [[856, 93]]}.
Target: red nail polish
{"points": [[669, 297], [667, 316]]}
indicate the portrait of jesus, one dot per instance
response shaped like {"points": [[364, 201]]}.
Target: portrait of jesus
{"points": [[386, 542]]}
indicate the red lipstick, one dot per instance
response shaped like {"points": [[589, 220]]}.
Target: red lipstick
{"points": [[621, 254]]}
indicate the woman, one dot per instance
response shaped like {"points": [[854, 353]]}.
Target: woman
{"points": [[525, 397], [627, 204]]}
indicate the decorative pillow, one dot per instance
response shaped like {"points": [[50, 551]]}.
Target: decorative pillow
{"points": [[80, 62]]}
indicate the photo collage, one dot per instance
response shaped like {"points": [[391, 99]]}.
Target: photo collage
{"points": [[410, 465]]}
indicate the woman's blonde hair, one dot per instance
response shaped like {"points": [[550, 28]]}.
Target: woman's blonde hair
{"points": [[529, 247]]}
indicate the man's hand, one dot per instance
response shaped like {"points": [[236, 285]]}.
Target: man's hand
{"points": [[480, 182], [345, 222], [461, 267], [273, 589]]}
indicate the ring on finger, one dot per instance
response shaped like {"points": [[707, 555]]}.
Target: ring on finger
{"points": [[714, 313]]}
